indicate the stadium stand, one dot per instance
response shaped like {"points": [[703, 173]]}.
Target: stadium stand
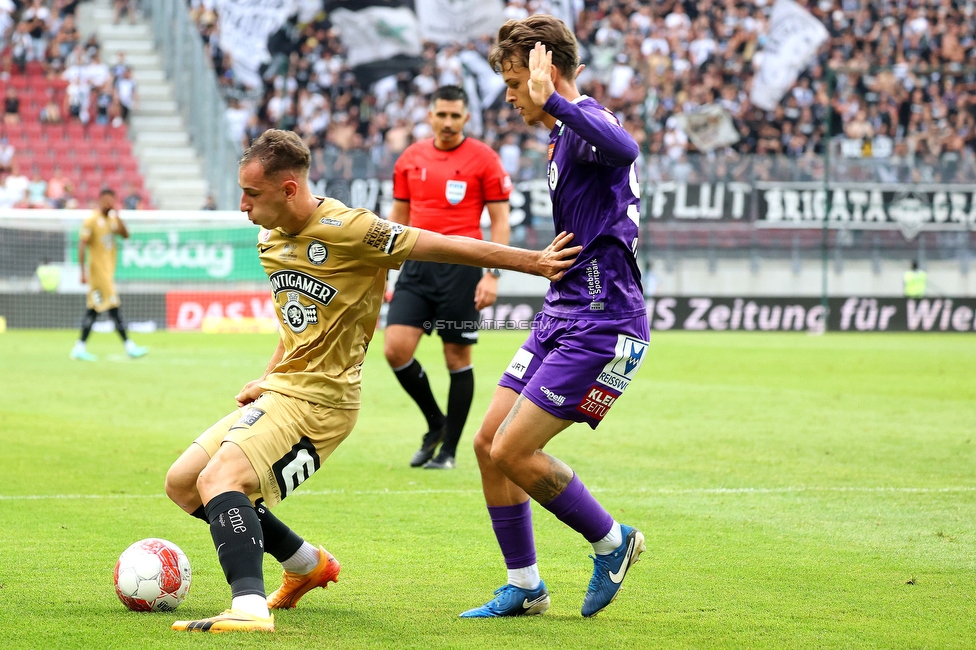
{"points": [[901, 89], [894, 88], [63, 117]]}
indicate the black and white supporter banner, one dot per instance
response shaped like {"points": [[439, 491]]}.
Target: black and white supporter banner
{"points": [[245, 26], [792, 40], [709, 128], [376, 32]]}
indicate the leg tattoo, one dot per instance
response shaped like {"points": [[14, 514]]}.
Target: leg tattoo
{"points": [[553, 482]]}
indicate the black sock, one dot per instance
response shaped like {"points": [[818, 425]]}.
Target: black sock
{"points": [[86, 324], [236, 532], [459, 399], [280, 541], [200, 513], [414, 381], [119, 326]]}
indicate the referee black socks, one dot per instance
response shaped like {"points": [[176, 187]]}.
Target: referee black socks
{"points": [[459, 398], [414, 380]]}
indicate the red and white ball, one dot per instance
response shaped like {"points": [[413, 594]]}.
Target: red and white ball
{"points": [[152, 575]]}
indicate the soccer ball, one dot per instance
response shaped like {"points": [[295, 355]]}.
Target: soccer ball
{"points": [[152, 575]]}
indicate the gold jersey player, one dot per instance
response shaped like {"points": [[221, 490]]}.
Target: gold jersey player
{"points": [[97, 238], [327, 266]]}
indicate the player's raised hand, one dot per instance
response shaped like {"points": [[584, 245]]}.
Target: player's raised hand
{"points": [[541, 87], [555, 258]]}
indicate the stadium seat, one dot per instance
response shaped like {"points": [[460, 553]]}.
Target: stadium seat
{"points": [[98, 132], [34, 131], [75, 131], [62, 148], [115, 181], [103, 148], [87, 165]]}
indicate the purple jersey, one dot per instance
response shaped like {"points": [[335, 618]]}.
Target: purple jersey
{"points": [[595, 195]]}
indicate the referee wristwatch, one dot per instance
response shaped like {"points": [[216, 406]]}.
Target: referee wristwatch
{"points": [[495, 273]]}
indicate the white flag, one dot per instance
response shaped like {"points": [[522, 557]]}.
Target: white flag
{"points": [[709, 128], [376, 33], [459, 21], [244, 29], [792, 42]]}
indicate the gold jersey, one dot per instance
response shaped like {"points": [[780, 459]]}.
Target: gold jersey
{"points": [[327, 282], [98, 231]]}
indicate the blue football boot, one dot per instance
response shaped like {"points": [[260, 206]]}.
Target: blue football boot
{"points": [[513, 601], [609, 571]]}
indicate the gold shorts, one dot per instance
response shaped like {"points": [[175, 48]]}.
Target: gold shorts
{"points": [[285, 438], [102, 296]]}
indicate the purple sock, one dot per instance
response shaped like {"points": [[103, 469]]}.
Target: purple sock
{"points": [[513, 530], [577, 508]]}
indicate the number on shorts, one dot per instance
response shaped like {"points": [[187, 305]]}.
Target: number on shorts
{"points": [[296, 466]]}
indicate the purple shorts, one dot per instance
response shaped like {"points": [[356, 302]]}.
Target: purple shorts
{"points": [[576, 369]]}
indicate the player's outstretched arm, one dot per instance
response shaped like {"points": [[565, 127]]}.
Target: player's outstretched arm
{"points": [[551, 262]]}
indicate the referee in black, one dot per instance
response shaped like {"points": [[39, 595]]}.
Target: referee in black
{"points": [[443, 184]]}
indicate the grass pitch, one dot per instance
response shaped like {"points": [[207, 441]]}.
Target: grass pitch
{"points": [[795, 491]]}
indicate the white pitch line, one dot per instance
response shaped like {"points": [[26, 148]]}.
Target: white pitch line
{"points": [[643, 490]]}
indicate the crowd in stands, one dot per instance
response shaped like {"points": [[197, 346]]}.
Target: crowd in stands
{"points": [[895, 85], [54, 83]]}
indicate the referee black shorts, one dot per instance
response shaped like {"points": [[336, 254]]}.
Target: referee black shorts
{"points": [[436, 296]]}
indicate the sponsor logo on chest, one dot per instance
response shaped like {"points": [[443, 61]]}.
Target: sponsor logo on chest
{"points": [[303, 283], [455, 191]]}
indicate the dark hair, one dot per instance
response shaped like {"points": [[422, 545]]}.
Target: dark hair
{"points": [[106, 190], [279, 151], [516, 38], [449, 94]]}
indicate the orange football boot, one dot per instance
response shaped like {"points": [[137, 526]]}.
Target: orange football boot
{"points": [[295, 585]]}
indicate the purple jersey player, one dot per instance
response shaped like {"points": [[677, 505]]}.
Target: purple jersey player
{"points": [[590, 338]]}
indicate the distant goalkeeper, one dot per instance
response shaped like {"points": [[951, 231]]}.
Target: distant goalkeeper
{"points": [[97, 237]]}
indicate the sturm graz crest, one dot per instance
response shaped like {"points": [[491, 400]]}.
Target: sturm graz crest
{"points": [[296, 315], [317, 253]]}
